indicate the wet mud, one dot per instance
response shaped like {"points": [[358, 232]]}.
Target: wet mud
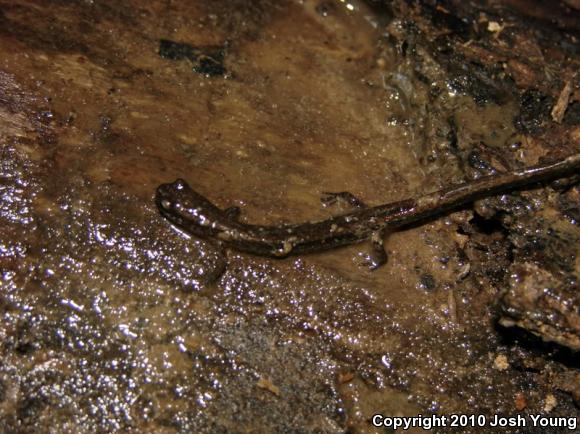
{"points": [[111, 320]]}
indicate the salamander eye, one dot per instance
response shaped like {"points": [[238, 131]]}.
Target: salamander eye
{"points": [[166, 204], [179, 184]]}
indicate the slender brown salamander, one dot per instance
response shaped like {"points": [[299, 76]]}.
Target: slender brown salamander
{"points": [[195, 214]]}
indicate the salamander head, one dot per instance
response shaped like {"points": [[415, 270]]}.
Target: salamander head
{"points": [[185, 208], [169, 195]]}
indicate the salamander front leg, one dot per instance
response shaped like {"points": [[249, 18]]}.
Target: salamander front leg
{"points": [[233, 213], [329, 198], [215, 264], [378, 255]]}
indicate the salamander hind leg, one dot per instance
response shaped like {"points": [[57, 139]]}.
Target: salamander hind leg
{"points": [[329, 198], [378, 255]]}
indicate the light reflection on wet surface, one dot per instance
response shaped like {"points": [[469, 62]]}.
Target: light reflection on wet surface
{"points": [[111, 320]]}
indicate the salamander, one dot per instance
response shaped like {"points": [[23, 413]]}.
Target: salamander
{"points": [[196, 215]]}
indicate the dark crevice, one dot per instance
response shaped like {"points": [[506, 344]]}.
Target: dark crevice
{"points": [[512, 336], [487, 226]]}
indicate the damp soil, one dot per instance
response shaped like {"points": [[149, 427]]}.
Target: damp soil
{"points": [[113, 321]]}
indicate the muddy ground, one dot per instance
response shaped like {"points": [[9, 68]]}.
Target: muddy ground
{"points": [[113, 321]]}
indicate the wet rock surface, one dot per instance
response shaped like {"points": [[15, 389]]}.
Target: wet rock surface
{"points": [[111, 320]]}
